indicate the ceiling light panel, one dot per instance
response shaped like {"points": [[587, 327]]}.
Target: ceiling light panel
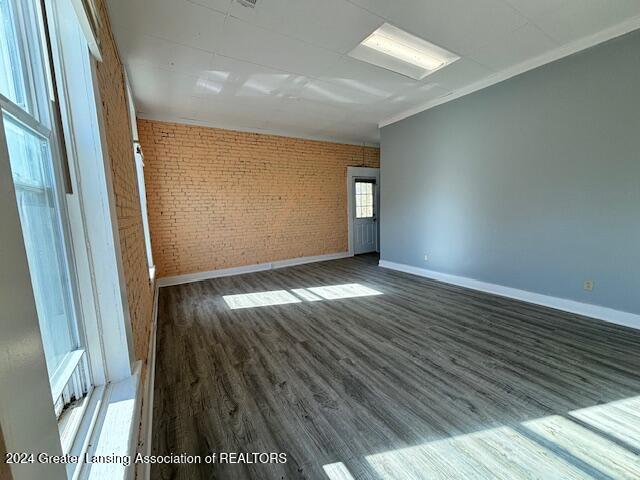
{"points": [[394, 49]]}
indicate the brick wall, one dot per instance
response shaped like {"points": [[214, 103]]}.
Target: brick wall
{"points": [[117, 127], [220, 198]]}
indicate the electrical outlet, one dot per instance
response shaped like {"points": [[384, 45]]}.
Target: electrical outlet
{"points": [[426, 258], [588, 285]]}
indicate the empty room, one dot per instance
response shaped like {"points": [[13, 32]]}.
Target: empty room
{"points": [[320, 239]]}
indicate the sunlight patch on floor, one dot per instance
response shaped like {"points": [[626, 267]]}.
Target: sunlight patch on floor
{"points": [[604, 456], [479, 455], [283, 297], [349, 290], [337, 471], [259, 299], [619, 419], [553, 447]]}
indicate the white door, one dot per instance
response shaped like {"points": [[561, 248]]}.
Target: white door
{"points": [[365, 227]]}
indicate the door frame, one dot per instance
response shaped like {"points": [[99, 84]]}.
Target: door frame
{"points": [[352, 174]]}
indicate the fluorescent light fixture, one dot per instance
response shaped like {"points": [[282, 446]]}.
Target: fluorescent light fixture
{"points": [[396, 50]]}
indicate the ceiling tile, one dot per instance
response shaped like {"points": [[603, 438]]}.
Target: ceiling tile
{"points": [[204, 25], [301, 108], [153, 85], [233, 113], [538, 8], [269, 15], [142, 48], [219, 5], [351, 95], [333, 24], [257, 80], [247, 42], [378, 81], [178, 21], [252, 105], [580, 18], [525, 43]]}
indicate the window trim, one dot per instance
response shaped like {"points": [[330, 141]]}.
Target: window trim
{"points": [[97, 247], [109, 337], [142, 189]]}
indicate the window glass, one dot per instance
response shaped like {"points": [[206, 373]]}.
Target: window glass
{"points": [[31, 166], [13, 83], [364, 199]]}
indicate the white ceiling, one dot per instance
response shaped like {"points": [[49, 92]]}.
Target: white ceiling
{"points": [[282, 67]]}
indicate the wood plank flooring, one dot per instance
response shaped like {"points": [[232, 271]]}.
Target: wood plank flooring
{"points": [[421, 380]]}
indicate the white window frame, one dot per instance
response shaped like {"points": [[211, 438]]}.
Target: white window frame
{"points": [[72, 379], [94, 222]]}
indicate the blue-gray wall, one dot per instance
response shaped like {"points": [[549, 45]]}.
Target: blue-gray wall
{"points": [[533, 183]]}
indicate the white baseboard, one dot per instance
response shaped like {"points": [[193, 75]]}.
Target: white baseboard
{"points": [[258, 267], [143, 470], [594, 311]]}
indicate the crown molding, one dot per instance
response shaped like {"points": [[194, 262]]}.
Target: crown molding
{"points": [[551, 56]]}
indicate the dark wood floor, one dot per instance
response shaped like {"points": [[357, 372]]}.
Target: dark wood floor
{"points": [[424, 380]]}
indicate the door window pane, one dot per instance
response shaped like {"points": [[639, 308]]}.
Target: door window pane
{"points": [[32, 170], [13, 83], [364, 199]]}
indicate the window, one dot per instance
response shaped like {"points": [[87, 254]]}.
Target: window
{"points": [[51, 147], [33, 146], [364, 198]]}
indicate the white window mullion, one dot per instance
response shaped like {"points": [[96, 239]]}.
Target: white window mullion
{"points": [[21, 115]]}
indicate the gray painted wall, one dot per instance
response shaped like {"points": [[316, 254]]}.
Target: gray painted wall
{"points": [[533, 183]]}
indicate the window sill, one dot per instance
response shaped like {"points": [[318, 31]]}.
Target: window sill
{"points": [[109, 429]]}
